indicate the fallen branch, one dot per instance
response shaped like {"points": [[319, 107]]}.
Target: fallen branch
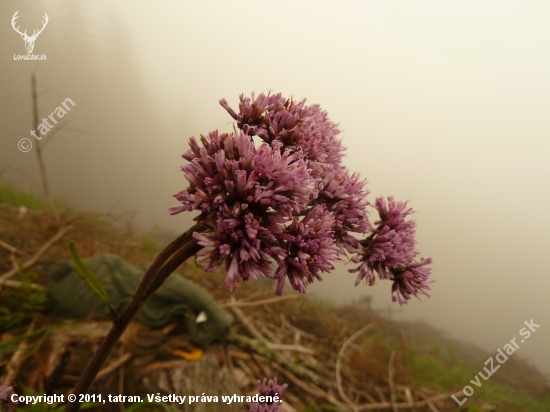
{"points": [[258, 361], [291, 348], [10, 248], [113, 366], [308, 389], [408, 394], [241, 317], [29, 263], [339, 363], [17, 284], [380, 394], [390, 379], [238, 304], [432, 407], [17, 358], [261, 348], [287, 324], [247, 323], [256, 294], [272, 336], [366, 395]]}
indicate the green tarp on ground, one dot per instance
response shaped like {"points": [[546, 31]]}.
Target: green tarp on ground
{"points": [[177, 298]]}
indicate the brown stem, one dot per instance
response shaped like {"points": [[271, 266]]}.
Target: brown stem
{"points": [[164, 257], [366, 242], [41, 165], [165, 263]]}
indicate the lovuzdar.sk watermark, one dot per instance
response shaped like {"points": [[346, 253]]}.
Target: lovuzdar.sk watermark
{"points": [[501, 357], [29, 39]]}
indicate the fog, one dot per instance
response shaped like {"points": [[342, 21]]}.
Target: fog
{"points": [[443, 104]]}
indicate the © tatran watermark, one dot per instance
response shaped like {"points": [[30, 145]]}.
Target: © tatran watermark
{"points": [[29, 40], [24, 145], [43, 128], [501, 357]]}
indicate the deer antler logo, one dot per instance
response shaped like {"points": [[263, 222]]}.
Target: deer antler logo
{"points": [[29, 40]]}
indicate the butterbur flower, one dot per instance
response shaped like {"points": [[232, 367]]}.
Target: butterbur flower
{"points": [[344, 195], [288, 208], [6, 404], [271, 389], [228, 170], [245, 194], [390, 251], [310, 249], [411, 281], [295, 124]]}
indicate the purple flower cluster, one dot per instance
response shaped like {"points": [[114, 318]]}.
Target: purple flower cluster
{"points": [[246, 195], [345, 196], [287, 208], [6, 403], [390, 250], [272, 389], [296, 125], [310, 248]]}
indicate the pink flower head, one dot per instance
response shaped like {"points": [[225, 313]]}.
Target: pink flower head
{"points": [[344, 195], [410, 281], [310, 248], [228, 170], [6, 403], [272, 389], [391, 252], [296, 125], [245, 194]]}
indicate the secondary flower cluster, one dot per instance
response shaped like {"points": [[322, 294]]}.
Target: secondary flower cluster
{"points": [[272, 389], [391, 252], [287, 207], [6, 403]]}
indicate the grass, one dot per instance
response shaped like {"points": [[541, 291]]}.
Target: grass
{"points": [[440, 365], [17, 198], [434, 365], [20, 305]]}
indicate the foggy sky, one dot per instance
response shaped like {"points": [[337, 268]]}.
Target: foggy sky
{"points": [[444, 104]]}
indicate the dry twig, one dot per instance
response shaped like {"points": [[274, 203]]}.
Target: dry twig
{"points": [[339, 362], [16, 284], [408, 394], [313, 391], [432, 407], [247, 323], [17, 358], [390, 379], [11, 273], [113, 366], [234, 304], [287, 324], [10, 248]]}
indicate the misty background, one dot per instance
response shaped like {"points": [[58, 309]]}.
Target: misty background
{"points": [[444, 104]]}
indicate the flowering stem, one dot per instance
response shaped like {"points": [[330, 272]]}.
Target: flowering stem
{"points": [[164, 264], [366, 242]]}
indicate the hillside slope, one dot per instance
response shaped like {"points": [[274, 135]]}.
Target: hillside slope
{"points": [[297, 339]]}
